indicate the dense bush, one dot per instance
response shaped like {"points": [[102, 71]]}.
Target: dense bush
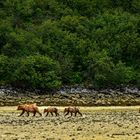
{"points": [[45, 44]]}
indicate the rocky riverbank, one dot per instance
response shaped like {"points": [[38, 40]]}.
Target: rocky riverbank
{"points": [[71, 96]]}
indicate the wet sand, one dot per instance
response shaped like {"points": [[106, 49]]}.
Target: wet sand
{"points": [[97, 123]]}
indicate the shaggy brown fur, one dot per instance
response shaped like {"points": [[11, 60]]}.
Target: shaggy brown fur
{"points": [[29, 108], [51, 110], [72, 110]]}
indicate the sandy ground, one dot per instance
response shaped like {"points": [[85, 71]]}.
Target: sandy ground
{"points": [[97, 123]]}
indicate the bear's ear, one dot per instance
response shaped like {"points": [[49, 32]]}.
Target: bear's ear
{"points": [[35, 104]]}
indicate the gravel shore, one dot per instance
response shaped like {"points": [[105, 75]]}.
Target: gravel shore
{"points": [[97, 123]]}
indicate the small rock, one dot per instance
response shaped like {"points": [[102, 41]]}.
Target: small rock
{"points": [[79, 129]]}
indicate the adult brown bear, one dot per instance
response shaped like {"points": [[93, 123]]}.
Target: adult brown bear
{"points": [[72, 110], [33, 108], [51, 110]]}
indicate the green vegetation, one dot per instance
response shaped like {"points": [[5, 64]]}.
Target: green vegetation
{"points": [[48, 43]]}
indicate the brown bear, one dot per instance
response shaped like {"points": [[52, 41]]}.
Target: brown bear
{"points": [[51, 110], [72, 110], [29, 108]]}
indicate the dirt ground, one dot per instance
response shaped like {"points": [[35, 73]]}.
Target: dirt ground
{"points": [[97, 123]]}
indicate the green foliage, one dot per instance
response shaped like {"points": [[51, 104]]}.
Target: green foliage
{"points": [[122, 74], [138, 79], [37, 71], [4, 68], [44, 44]]}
